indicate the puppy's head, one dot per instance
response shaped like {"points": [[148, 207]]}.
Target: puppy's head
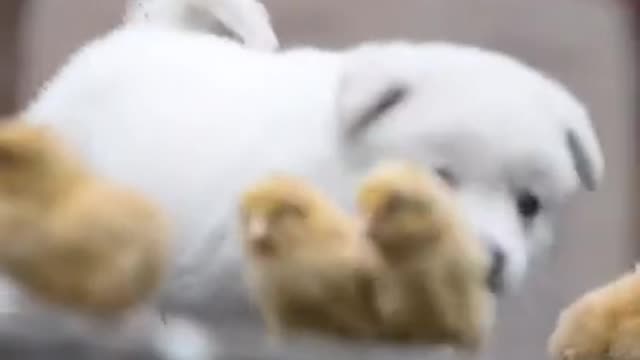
{"points": [[512, 143], [34, 165]]}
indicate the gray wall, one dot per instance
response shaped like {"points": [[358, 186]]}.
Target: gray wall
{"points": [[9, 42], [584, 43]]}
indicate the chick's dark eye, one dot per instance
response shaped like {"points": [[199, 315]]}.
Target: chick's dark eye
{"points": [[446, 175], [290, 210], [528, 205]]}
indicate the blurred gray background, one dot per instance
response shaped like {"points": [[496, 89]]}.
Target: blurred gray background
{"points": [[586, 44]]}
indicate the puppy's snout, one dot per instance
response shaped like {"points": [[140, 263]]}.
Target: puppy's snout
{"points": [[496, 277]]}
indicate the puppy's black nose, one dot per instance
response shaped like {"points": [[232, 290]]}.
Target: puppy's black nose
{"points": [[496, 272]]}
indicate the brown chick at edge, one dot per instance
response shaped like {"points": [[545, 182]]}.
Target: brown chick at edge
{"points": [[434, 287], [602, 324], [310, 268], [68, 237]]}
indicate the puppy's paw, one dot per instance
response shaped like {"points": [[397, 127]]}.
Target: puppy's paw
{"points": [[251, 21], [244, 20]]}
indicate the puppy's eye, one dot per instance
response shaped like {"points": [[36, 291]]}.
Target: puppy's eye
{"points": [[447, 175], [528, 205]]}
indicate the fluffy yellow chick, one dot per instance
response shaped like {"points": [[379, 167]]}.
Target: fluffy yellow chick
{"points": [[602, 324], [68, 237], [310, 268], [434, 287]]}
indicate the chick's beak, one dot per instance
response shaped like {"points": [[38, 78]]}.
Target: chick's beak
{"points": [[256, 228], [257, 234]]}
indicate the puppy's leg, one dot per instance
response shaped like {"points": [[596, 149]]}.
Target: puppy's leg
{"points": [[246, 19]]}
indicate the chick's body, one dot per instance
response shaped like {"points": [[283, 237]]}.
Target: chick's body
{"points": [[602, 324], [310, 268], [434, 286], [70, 238]]}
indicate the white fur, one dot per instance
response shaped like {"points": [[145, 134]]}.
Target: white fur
{"points": [[191, 120], [246, 19]]}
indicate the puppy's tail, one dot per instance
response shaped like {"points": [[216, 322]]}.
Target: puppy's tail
{"points": [[245, 20]]}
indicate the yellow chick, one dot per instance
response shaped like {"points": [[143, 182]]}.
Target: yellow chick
{"points": [[310, 267], [434, 287], [68, 237], [602, 324]]}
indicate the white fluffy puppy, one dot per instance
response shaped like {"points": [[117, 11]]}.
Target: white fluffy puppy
{"points": [[191, 119], [244, 20]]}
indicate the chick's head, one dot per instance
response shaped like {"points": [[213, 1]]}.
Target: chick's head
{"points": [[400, 204], [284, 216], [36, 167]]}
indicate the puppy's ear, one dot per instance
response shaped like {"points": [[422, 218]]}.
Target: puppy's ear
{"points": [[368, 90], [579, 135], [585, 161], [585, 151]]}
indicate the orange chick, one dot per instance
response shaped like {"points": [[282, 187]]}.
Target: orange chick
{"points": [[602, 324], [310, 268], [68, 237], [434, 287]]}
